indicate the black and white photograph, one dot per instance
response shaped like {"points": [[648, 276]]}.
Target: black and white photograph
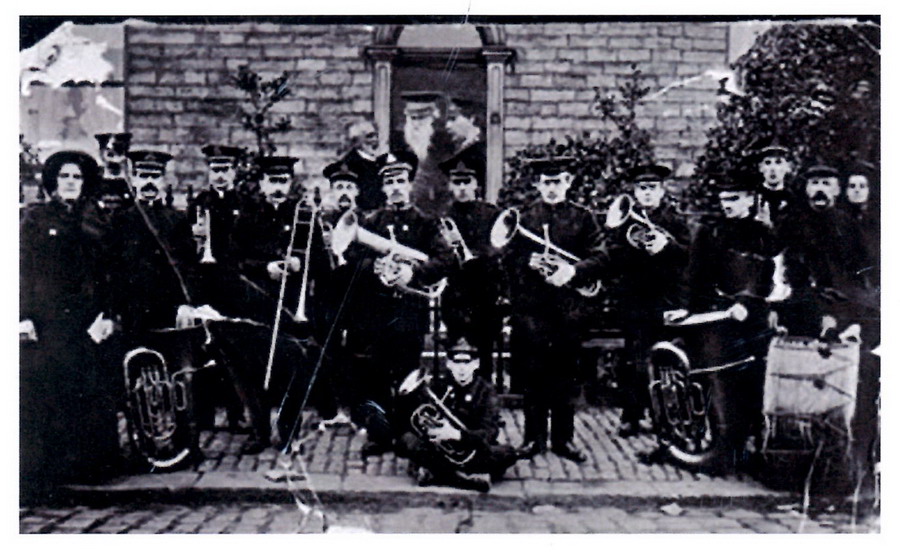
{"points": [[449, 274]]}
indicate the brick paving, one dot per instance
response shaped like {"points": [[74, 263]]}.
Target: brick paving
{"points": [[254, 518], [337, 452]]}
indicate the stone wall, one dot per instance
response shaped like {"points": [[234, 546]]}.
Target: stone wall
{"points": [[559, 65], [178, 96]]}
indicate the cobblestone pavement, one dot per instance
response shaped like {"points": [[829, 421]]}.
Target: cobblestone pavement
{"points": [[458, 517], [337, 452]]}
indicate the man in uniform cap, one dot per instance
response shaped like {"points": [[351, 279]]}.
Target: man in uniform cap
{"points": [[651, 261], [360, 160], [113, 151], [773, 160], [153, 264], [470, 304], [732, 270], [546, 327], [271, 273], [464, 455], [386, 324]]}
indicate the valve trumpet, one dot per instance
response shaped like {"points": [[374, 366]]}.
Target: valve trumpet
{"points": [[450, 233], [508, 225], [642, 231], [206, 236]]}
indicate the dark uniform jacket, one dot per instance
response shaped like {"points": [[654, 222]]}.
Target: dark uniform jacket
{"points": [[370, 194], [153, 267], [729, 261], [219, 284], [827, 263], [375, 305], [475, 405], [572, 228], [652, 282]]}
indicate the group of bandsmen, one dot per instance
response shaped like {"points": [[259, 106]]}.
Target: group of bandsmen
{"points": [[322, 296]]}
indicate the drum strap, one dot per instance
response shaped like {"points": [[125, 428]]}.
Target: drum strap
{"points": [[725, 366]]}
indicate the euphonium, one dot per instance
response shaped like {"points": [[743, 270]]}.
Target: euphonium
{"points": [[450, 233], [207, 239], [347, 230], [159, 408], [432, 412], [508, 225], [642, 231]]}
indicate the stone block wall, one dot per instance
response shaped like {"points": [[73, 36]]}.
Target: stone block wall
{"points": [[179, 97], [558, 65]]}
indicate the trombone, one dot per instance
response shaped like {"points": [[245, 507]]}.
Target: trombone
{"points": [[641, 232], [508, 224]]}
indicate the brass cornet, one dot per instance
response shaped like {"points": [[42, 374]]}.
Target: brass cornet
{"points": [[450, 233], [207, 239], [642, 231], [508, 225]]}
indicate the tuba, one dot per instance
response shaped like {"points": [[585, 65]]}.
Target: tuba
{"points": [[347, 230], [642, 231], [430, 411], [508, 226], [450, 233], [160, 409]]}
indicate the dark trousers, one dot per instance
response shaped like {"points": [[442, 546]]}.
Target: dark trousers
{"points": [[378, 361], [547, 364], [491, 459], [642, 330]]}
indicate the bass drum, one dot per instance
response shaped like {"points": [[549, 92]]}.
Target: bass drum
{"points": [[682, 412]]}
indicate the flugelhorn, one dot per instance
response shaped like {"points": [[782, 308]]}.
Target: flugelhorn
{"points": [[207, 239], [347, 230], [508, 225], [450, 233], [641, 231]]}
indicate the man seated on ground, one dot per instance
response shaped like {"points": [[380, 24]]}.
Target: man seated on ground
{"points": [[451, 434]]}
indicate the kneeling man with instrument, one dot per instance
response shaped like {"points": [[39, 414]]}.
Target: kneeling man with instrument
{"points": [[453, 424]]}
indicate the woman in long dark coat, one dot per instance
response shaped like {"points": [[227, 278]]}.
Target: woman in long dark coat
{"points": [[67, 413]]}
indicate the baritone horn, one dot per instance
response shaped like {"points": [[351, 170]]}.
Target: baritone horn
{"points": [[508, 225], [642, 231], [429, 411], [347, 231], [450, 233]]}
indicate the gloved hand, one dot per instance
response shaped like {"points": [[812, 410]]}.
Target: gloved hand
{"points": [[27, 332], [656, 243], [101, 329], [738, 312], [564, 273]]}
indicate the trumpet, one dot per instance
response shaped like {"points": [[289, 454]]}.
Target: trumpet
{"points": [[508, 224], [642, 231], [347, 230], [207, 239], [450, 233]]}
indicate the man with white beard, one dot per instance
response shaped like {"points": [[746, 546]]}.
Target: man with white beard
{"points": [[423, 136]]}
